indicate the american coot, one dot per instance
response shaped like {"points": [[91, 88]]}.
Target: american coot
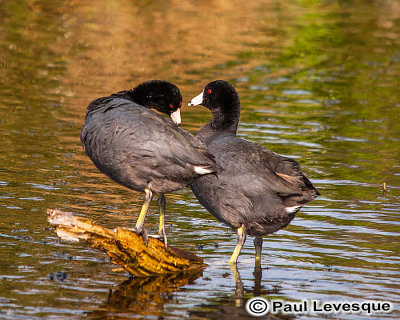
{"points": [[141, 149], [256, 191]]}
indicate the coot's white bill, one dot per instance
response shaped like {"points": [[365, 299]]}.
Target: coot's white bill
{"points": [[176, 116], [196, 100]]}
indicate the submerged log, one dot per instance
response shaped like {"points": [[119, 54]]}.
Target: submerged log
{"points": [[124, 247]]}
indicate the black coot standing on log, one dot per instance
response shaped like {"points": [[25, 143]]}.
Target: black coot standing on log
{"points": [[141, 149], [256, 191]]}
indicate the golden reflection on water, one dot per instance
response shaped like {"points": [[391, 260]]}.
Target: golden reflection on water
{"points": [[145, 296], [126, 42], [318, 81]]}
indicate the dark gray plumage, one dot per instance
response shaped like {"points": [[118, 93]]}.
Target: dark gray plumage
{"points": [[141, 149], [256, 191]]}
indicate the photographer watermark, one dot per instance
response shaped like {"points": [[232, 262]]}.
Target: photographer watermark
{"points": [[259, 306]]}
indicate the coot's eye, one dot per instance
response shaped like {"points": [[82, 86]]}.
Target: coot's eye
{"points": [[171, 106], [208, 91], [180, 104]]}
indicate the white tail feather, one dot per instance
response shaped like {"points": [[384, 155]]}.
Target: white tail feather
{"points": [[202, 170], [293, 209]]}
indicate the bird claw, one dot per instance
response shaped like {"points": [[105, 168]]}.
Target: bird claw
{"points": [[143, 232], [164, 238], [161, 236]]}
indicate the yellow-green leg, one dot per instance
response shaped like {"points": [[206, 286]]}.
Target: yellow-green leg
{"points": [[140, 221], [258, 241], [161, 228], [241, 233]]}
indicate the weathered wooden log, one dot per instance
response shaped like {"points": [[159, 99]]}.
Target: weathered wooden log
{"points": [[124, 247]]}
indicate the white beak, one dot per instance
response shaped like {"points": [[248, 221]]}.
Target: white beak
{"points": [[196, 100], [176, 116]]}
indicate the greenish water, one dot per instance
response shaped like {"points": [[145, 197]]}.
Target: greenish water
{"points": [[319, 82]]}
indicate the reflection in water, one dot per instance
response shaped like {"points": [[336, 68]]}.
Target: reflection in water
{"points": [[318, 82], [233, 307], [143, 296]]}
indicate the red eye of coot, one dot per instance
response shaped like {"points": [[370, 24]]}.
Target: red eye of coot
{"points": [[209, 91], [171, 106], [180, 104]]}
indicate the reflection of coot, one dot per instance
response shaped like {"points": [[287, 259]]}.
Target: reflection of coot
{"points": [[257, 191], [140, 149], [233, 307]]}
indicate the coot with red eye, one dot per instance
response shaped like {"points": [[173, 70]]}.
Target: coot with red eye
{"points": [[141, 149], [255, 191]]}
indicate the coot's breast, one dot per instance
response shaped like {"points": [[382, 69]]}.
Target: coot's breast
{"points": [[246, 190]]}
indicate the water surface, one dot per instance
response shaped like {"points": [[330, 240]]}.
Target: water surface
{"points": [[318, 82]]}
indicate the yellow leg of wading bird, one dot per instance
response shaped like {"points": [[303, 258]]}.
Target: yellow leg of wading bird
{"points": [[161, 228], [241, 232], [140, 221], [258, 241]]}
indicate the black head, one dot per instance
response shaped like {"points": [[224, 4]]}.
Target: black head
{"points": [[160, 95], [222, 99]]}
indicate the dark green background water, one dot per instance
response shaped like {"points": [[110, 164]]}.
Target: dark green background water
{"points": [[319, 82]]}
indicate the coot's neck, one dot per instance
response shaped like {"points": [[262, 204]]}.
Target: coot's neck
{"points": [[140, 96], [225, 118], [133, 96]]}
